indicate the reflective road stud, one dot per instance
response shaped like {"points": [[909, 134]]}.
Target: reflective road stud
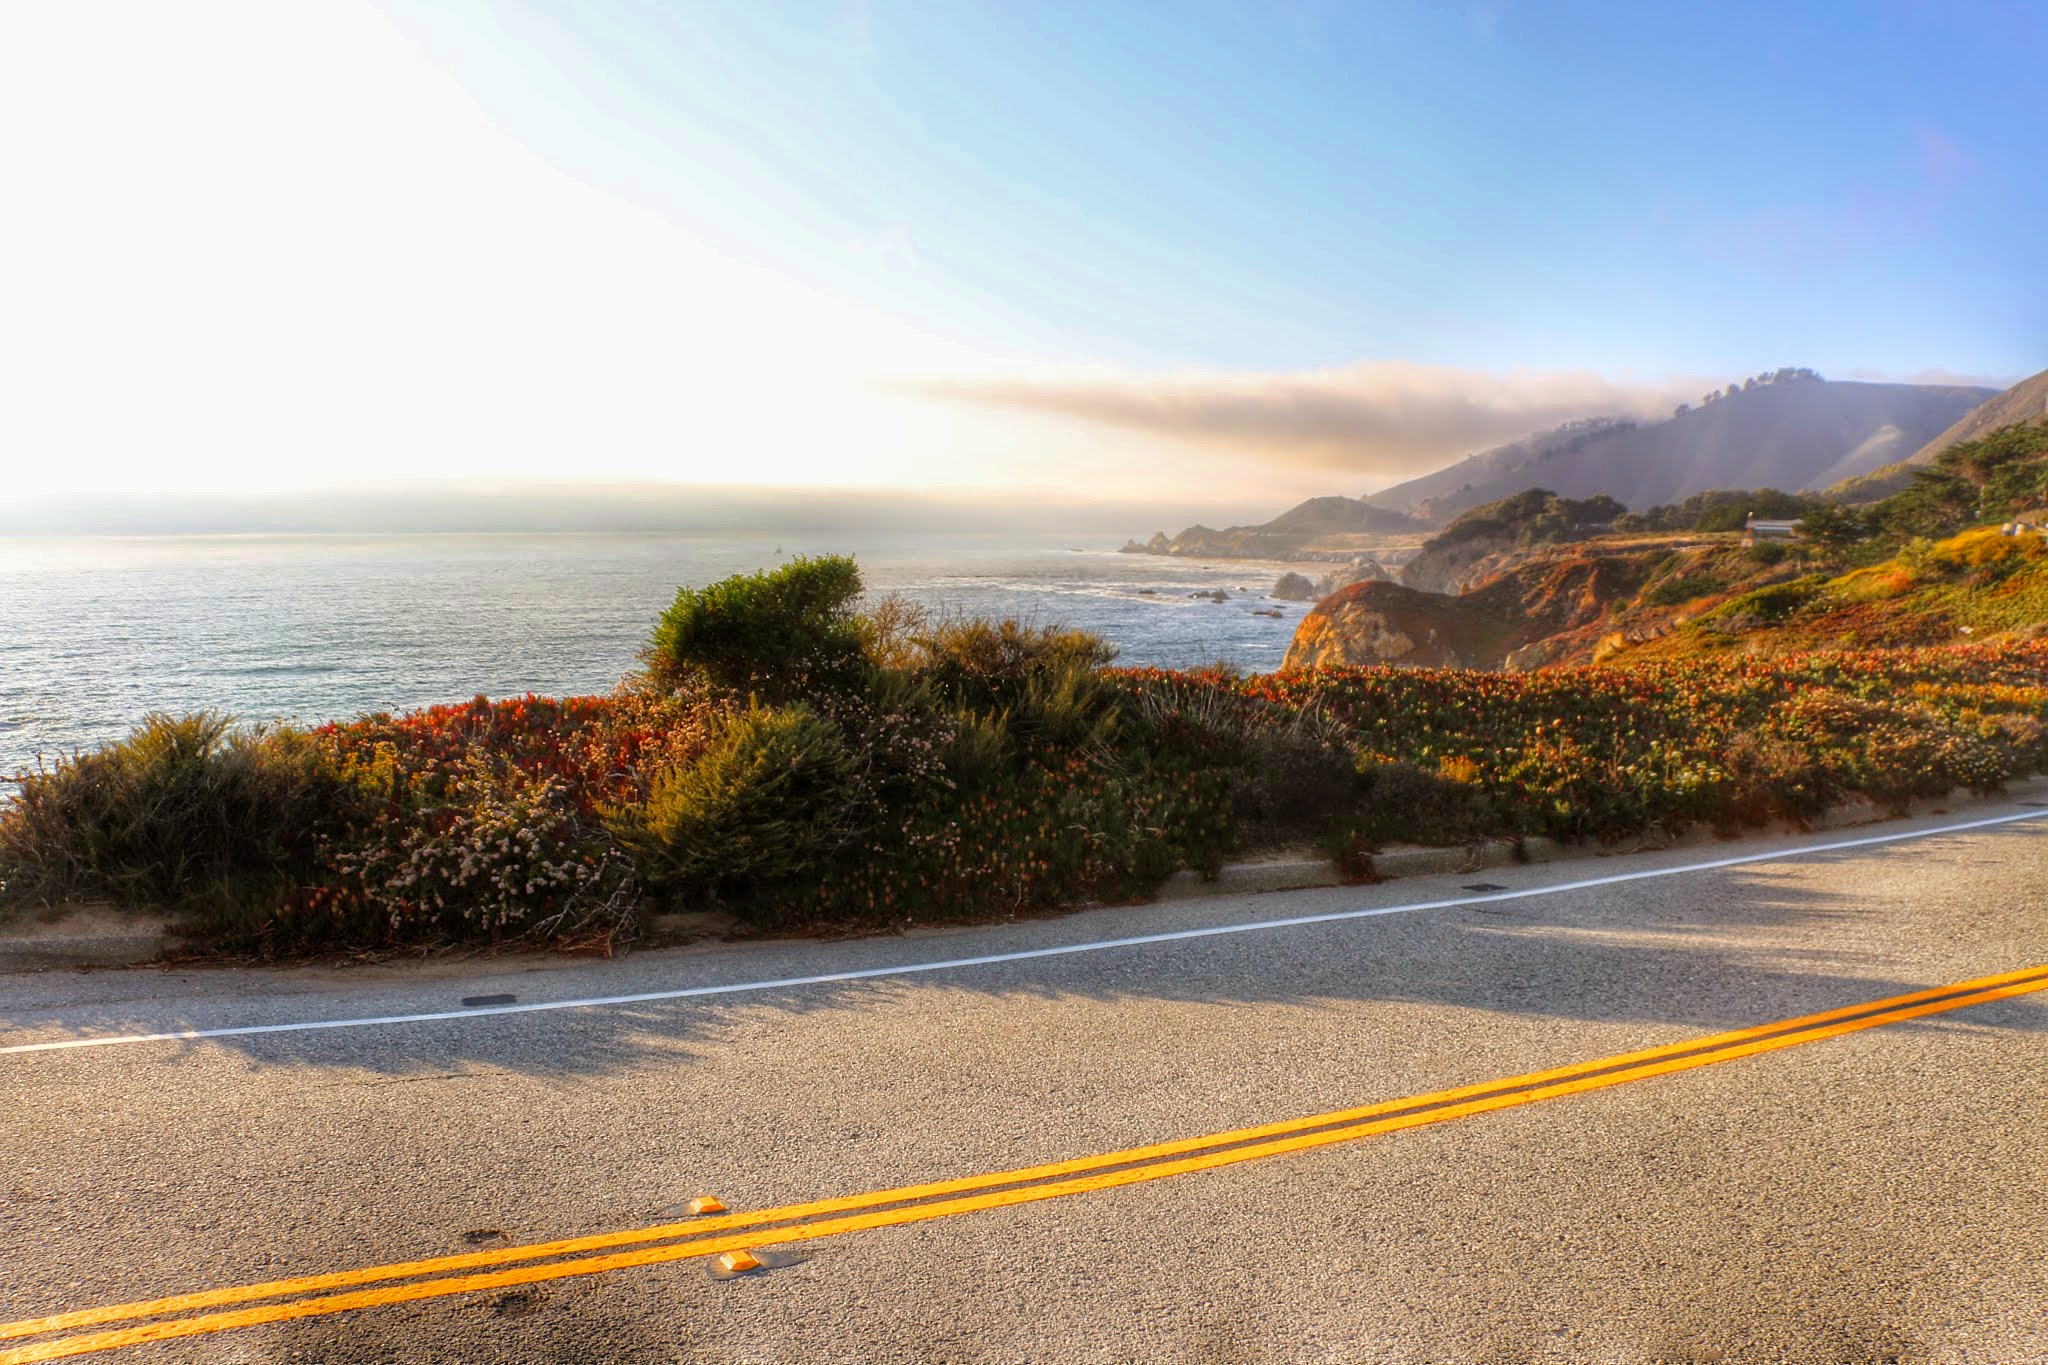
{"points": [[739, 1262], [709, 1203]]}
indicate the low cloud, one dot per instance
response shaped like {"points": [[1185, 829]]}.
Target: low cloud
{"points": [[1374, 420]]}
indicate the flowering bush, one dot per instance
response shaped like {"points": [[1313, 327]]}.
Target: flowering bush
{"points": [[493, 852]]}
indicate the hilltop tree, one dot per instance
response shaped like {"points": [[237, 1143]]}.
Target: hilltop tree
{"points": [[1536, 516], [1726, 509], [1987, 479], [1834, 524]]}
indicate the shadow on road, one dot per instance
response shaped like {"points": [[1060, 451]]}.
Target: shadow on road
{"points": [[1707, 951]]}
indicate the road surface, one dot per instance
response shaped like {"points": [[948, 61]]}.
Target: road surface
{"points": [[1764, 1185]]}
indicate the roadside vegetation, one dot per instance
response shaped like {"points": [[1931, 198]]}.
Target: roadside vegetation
{"points": [[806, 765], [1929, 564]]}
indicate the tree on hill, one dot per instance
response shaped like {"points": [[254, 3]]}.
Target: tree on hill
{"points": [[1726, 509], [1834, 524], [1988, 479], [1535, 516]]}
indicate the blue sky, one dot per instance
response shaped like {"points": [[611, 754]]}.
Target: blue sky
{"points": [[1059, 249], [1626, 187]]}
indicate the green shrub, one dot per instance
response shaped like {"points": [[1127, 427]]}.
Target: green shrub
{"points": [[1833, 524], [1296, 784], [186, 809], [780, 633], [1043, 834], [1772, 778], [1682, 588], [992, 662], [1288, 769], [1401, 802], [1066, 707], [772, 797], [975, 750], [1764, 606]]}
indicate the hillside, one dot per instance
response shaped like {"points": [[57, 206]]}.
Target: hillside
{"points": [[2026, 401], [1794, 433], [1534, 579], [1465, 552], [1439, 496], [1976, 586]]}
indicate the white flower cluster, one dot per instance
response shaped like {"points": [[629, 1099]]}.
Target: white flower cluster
{"points": [[499, 852]]}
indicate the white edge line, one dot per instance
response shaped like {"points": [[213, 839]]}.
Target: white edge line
{"points": [[1022, 955]]}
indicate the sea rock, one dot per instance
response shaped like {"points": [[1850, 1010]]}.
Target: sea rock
{"points": [[1294, 587], [1364, 569]]}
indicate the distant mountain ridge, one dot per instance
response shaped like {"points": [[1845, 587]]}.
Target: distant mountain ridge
{"points": [[2026, 401], [1801, 432], [1440, 496]]}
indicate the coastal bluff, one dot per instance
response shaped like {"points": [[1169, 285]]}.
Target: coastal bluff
{"points": [[1326, 530]]}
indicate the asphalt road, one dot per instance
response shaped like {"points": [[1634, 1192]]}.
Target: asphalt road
{"points": [[1877, 1195]]}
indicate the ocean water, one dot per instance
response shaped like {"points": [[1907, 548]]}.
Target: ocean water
{"points": [[95, 633]]}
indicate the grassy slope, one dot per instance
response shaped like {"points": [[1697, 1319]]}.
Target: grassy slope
{"points": [[1621, 599], [1977, 585]]}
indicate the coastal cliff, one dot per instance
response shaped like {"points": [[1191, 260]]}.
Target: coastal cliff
{"points": [[1556, 606], [1321, 530]]}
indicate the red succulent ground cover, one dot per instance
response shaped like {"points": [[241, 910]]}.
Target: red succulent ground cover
{"points": [[1576, 753], [1603, 752], [595, 747]]}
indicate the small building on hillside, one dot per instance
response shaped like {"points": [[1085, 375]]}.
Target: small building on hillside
{"points": [[1756, 529]]}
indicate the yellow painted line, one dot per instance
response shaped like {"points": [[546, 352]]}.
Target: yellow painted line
{"points": [[1448, 1104], [698, 1226]]}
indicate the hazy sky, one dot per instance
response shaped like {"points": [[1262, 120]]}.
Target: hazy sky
{"points": [[1241, 251]]}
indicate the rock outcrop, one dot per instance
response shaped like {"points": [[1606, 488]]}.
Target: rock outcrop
{"points": [[1293, 587], [1385, 623], [1549, 605]]}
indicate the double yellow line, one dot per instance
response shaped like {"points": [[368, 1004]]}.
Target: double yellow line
{"points": [[310, 1296]]}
